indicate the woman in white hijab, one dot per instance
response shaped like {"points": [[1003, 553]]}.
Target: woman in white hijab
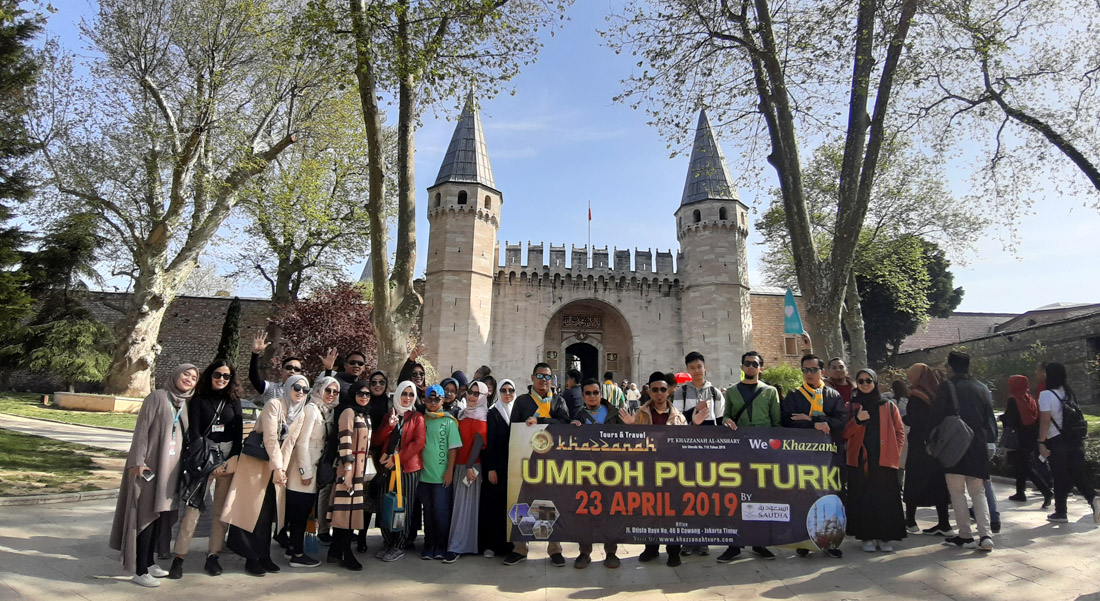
{"points": [[401, 437], [492, 535], [258, 488], [473, 429]]}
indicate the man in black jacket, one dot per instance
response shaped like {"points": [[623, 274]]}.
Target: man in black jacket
{"points": [[539, 406], [975, 407]]}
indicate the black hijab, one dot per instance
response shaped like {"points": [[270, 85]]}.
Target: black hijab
{"points": [[873, 398], [379, 404]]}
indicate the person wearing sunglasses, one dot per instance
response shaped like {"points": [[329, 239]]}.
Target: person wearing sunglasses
{"points": [[401, 434], [379, 408], [413, 371], [539, 406], [813, 405], [326, 393], [352, 369], [214, 413], [352, 439], [257, 495], [658, 411], [750, 403], [492, 532], [268, 389], [875, 435], [473, 430]]}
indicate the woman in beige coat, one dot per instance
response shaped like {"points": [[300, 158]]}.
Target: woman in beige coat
{"points": [[301, 486], [258, 486]]}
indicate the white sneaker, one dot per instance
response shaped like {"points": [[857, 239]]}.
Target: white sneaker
{"points": [[914, 529], [1096, 510], [146, 580], [885, 547], [489, 553], [869, 546], [157, 572], [986, 544]]}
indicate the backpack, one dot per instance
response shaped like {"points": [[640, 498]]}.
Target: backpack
{"points": [[950, 439], [1074, 427], [715, 399]]}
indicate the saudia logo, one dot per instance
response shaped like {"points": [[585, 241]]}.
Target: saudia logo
{"points": [[791, 445]]}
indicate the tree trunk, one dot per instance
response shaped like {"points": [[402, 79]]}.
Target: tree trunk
{"points": [[134, 362], [853, 324], [823, 323]]}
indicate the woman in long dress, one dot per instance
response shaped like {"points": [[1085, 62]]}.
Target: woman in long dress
{"points": [[473, 429], [925, 485]]}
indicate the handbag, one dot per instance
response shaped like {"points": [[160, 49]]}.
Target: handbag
{"points": [[950, 439], [393, 509], [254, 446], [1010, 439], [200, 459], [326, 467]]}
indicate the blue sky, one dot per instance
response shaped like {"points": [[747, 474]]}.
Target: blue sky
{"points": [[560, 143]]}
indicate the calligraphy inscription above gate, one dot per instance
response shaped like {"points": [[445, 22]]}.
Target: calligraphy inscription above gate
{"points": [[582, 322]]}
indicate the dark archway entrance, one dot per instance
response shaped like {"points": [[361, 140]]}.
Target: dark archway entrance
{"points": [[585, 357]]}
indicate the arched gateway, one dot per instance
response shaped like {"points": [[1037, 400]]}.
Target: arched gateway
{"points": [[592, 336]]}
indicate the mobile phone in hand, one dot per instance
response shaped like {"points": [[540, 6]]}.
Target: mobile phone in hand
{"points": [[147, 474]]}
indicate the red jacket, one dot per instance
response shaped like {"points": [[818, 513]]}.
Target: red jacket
{"points": [[412, 439], [891, 430]]}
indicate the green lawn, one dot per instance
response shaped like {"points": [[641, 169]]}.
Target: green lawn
{"points": [[31, 465], [30, 405]]}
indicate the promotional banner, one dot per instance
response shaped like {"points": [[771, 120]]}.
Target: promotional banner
{"points": [[678, 485]]}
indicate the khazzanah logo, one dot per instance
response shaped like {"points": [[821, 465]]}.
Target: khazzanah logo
{"points": [[791, 445]]}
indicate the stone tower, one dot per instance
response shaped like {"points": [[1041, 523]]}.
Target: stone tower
{"points": [[463, 217], [712, 227]]}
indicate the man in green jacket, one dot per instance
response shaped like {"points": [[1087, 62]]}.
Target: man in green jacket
{"points": [[750, 404]]}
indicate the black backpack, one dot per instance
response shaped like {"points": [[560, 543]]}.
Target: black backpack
{"points": [[1073, 427]]}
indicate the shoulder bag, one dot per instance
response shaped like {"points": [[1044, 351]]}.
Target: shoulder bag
{"points": [[393, 508], [950, 439]]}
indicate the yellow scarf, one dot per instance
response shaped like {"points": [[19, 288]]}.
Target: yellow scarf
{"points": [[813, 395], [435, 414], [544, 404]]}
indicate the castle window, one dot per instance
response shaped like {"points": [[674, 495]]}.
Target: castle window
{"points": [[438, 199], [790, 345], [722, 213], [696, 216], [488, 202], [462, 197]]}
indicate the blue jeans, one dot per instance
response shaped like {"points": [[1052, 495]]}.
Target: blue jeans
{"points": [[991, 500], [438, 502]]}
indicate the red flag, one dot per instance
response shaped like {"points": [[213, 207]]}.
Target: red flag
{"points": [[590, 213]]}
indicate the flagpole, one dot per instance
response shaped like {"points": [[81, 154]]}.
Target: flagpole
{"points": [[590, 225]]}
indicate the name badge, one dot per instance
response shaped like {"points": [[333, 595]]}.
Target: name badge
{"points": [[217, 428], [171, 448]]}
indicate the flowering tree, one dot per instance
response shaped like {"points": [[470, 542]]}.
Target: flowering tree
{"points": [[338, 317]]}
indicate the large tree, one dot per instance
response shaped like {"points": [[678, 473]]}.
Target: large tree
{"points": [[791, 71], [418, 54], [186, 101]]}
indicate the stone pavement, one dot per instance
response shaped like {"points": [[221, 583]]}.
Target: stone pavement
{"points": [[57, 552], [89, 435]]}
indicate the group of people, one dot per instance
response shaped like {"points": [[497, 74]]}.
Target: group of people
{"points": [[433, 458]]}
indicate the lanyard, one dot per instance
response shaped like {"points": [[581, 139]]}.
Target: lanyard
{"points": [[176, 419]]}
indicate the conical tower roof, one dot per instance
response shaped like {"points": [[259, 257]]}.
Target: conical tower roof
{"points": [[707, 177], [467, 158]]}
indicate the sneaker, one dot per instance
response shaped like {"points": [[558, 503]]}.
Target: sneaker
{"points": [[763, 552], [288, 552], [885, 547], [649, 554], [673, 560], [393, 554], [514, 558], [958, 541], [913, 529], [729, 555], [939, 530], [440, 555], [986, 544], [1018, 497], [995, 527], [612, 561], [582, 561], [450, 557], [379, 554], [557, 560], [271, 566], [687, 551], [489, 553], [146, 580], [157, 572], [303, 561], [704, 551], [1054, 517], [834, 553], [212, 566], [802, 552], [1095, 504], [1047, 499], [253, 568], [426, 555], [176, 571], [869, 546]]}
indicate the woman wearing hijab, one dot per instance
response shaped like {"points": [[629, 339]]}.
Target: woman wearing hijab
{"points": [[379, 406], [258, 489], [492, 520], [875, 435], [346, 512], [147, 495], [1022, 414], [925, 485], [401, 435], [473, 429], [330, 400], [301, 487], [213, 413]]}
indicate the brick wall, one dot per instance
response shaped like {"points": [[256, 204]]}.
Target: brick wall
{"points": [[768, 337]]}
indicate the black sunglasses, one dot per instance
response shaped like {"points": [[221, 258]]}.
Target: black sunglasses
{"points": [[864, 381], [810, 370], [507, 391], [751, 364], [362, 393], [377, 382], [300, 389], [653, 389], [220, 376], [355, 363], [294, 368], [592, 393]]}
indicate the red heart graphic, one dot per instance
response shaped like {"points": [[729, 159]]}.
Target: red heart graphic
{"points": [[775, 443]]}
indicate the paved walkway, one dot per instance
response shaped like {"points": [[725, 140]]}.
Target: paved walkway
{"points": [[89, 435], [60, 552]]}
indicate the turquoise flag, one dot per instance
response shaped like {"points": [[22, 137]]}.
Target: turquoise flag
{"points": [[792, 323]]}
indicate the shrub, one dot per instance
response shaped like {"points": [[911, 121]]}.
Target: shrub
{"points": [[784, 377]]}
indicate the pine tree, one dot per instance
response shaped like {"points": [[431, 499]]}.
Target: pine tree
{"points": [[230, 343]]}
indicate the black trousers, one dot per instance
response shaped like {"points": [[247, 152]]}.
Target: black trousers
{"points": [[1067, 463], [298, 507], [147, 541], [1022, 462], [256, 545]]}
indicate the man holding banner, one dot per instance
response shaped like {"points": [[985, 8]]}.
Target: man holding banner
{"points": [[660, 412]]}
